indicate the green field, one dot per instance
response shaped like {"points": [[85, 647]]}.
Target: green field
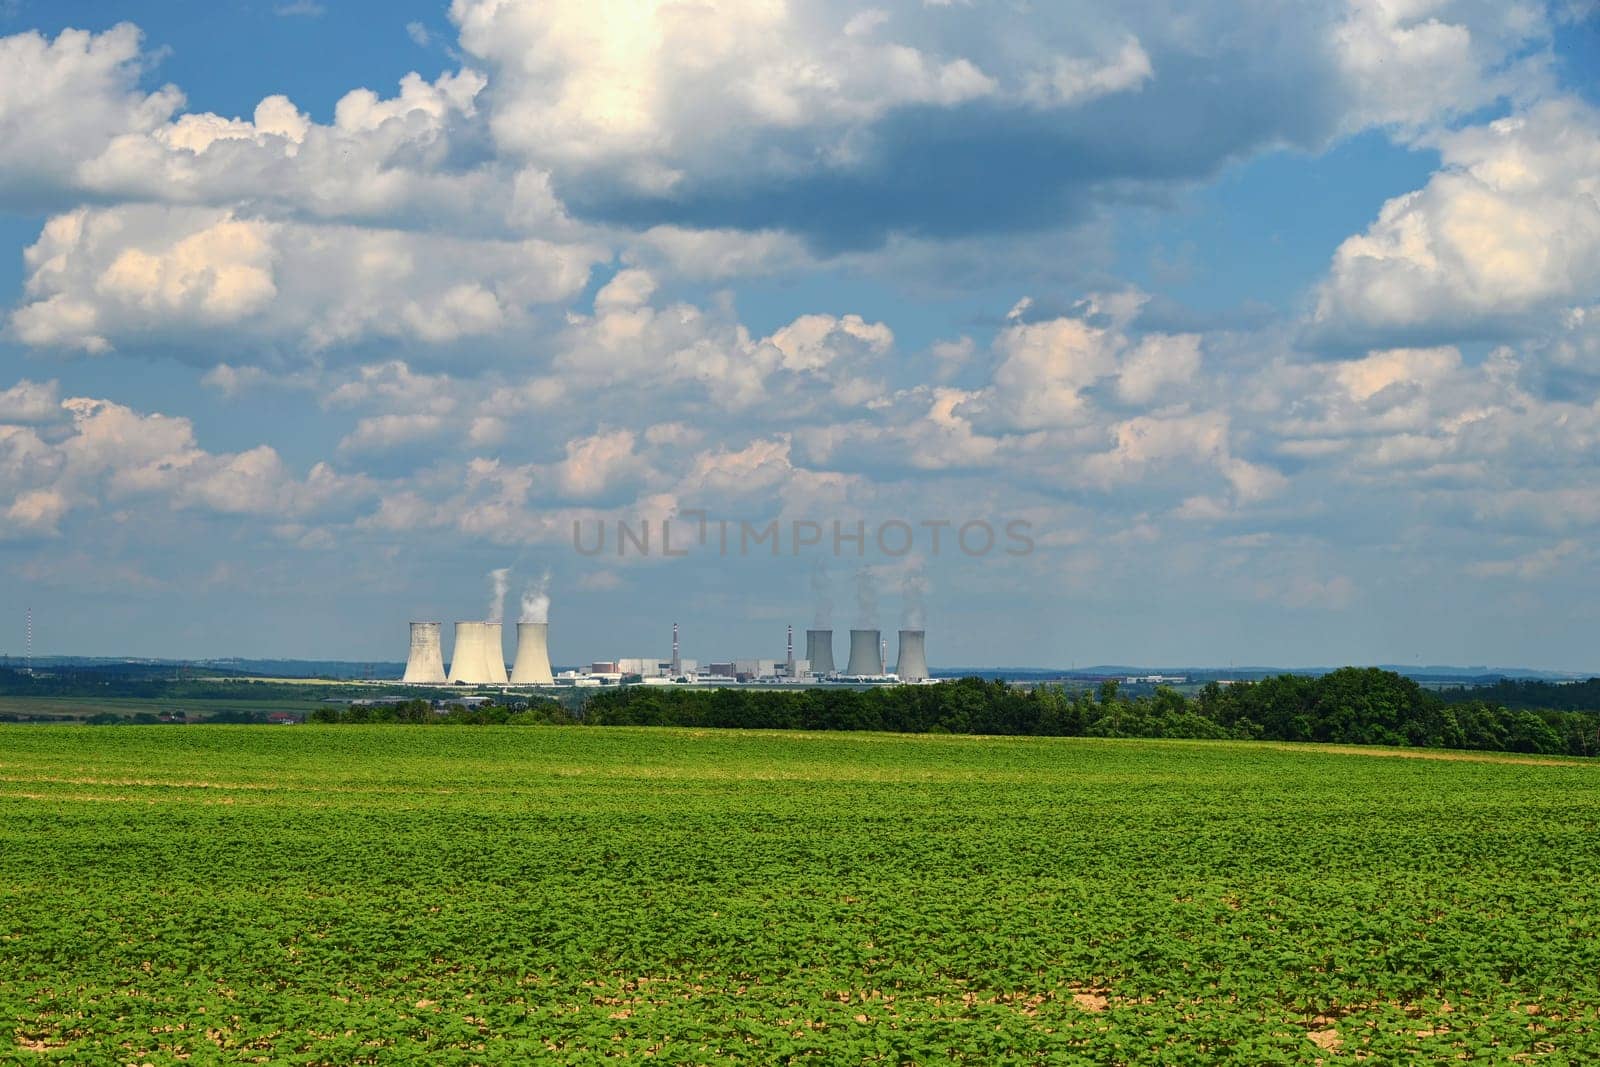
{"points": [[393, 894]]}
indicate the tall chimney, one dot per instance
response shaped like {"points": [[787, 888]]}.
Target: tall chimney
{"points": [[677, 664], [789, 654]]}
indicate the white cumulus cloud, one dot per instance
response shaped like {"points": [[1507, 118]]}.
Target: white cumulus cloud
{"points": [[64, 100], [100, 278], [1508, 228]]}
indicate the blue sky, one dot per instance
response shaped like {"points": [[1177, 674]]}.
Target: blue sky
{"points": [[1279, 330]]}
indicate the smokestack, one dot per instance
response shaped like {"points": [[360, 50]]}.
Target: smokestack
{"points": [[788, 657], [819, 651], [677, 664], [469, 659], [866, 657], [425, 661], [532, 666], [494, 653], [913, 665]]}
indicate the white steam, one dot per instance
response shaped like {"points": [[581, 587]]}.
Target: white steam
{"points": [[866, 599], [536, 600], [822, 596], [499, 582], [913, 601]]}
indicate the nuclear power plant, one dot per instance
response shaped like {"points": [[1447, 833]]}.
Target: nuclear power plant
{"points": [[425, 661], [866, 655], [532, 665], [478, 656], [913, 662]]}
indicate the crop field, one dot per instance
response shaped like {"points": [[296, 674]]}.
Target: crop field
{"points": [[434, 895]]}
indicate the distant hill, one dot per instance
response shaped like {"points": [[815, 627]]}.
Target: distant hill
{"points": [[299, 668], [1434, 674], [213, 668], [128, 667]]}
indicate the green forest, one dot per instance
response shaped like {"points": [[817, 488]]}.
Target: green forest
{"points": [[1530, 693], [1354, 705]]}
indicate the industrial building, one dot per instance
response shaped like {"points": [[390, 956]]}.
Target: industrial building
{"points": [[478, 659]]}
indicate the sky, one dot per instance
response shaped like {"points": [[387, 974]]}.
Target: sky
{"points": [[1157, 333]]}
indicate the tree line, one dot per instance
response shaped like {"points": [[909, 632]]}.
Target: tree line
{"points": [[144, 683], [1530, 693], [1360, 706], [534, 712]]}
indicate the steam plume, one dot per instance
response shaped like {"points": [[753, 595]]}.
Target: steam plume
{"points": [[866, 599], [821, 595], [499, 581], [913, 601], [536, 600]]}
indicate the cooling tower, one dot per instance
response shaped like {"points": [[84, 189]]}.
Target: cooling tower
{"points": [[913, 665], [819, 651], [468, 660], [425, 662], [532, 665], [494, 653], [866, 655]]}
